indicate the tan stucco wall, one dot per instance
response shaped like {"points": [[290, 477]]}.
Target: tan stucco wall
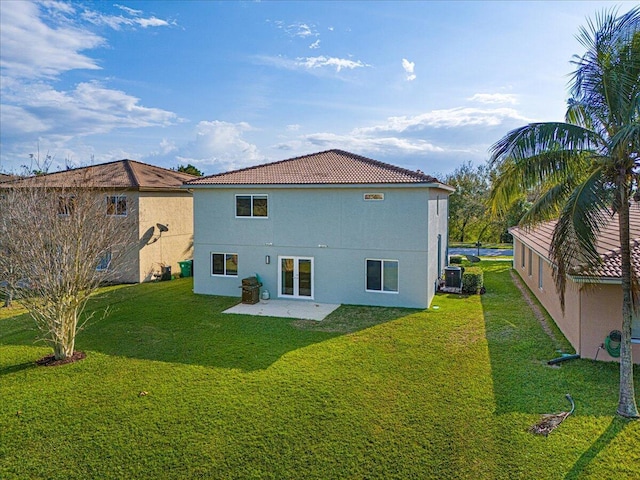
{"points": [[591, 310], [601, 313], [174, 210]]}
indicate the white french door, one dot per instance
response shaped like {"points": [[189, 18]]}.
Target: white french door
{"points": [[295, 277]]}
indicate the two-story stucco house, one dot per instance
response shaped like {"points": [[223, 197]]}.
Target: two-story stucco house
{"points": [[332, 227], [150, 197]]}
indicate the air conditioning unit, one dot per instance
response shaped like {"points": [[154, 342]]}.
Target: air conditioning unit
{"points": [[453, 277]]}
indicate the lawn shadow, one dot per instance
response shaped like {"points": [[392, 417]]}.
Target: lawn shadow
{"points": [[615, 427], [167, 322], [519, 349], [16, 368]]}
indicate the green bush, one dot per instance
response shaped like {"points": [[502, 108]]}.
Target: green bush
{"points": [[455, 259], [472, 280]]}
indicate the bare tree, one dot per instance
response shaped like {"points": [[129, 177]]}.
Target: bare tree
{"points": [[59, 244]]}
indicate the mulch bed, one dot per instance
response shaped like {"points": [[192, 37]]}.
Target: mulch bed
{"points": [[50, 360]]}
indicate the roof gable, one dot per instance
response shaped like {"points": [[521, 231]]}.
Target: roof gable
{"points": [[126, 173], [328, 167]]}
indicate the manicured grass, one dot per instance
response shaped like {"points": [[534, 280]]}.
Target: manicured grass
{"points": [[369, 393]]}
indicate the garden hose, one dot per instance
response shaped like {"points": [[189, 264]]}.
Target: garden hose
{"points": [[612, 343]]}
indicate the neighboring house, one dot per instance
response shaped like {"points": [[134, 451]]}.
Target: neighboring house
{"points": [[593, 297], [330, 227], [153, 197]]}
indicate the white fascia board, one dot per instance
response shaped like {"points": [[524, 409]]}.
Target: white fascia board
{"points": [[599, 280]]}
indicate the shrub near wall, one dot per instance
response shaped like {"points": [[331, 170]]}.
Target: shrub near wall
{"points": [[472, 280], [455, 259]]}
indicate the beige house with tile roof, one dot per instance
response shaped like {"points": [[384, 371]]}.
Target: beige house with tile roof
{"points": [[330, 227], [593, 298], [148, 195]]}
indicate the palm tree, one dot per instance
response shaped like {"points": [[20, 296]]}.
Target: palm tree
{"points": [[587, 169]]}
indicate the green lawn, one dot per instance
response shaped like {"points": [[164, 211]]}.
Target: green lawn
{"points": [[368, 393]]}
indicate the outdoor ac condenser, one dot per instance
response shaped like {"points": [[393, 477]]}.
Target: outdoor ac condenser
{"points": [[453, 277]]}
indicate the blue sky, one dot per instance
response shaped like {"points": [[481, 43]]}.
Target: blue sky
{"points": [[224, 85]]}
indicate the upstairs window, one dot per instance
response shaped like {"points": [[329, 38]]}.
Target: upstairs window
{"points": [[252, 206], [117, 205]]}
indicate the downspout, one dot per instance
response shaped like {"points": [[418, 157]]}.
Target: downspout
{"points": [[446, 250], [579, 351]]}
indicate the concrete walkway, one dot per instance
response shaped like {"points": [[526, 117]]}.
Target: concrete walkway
{"points": [[301, 309]]}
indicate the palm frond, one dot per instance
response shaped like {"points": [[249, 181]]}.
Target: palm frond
{"points": [[606, 76], [542, 169], [585, 213], [537, 138], [548, 204]]}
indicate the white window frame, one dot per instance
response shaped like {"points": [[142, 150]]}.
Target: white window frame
{"points": [[115, 200], [224, 274], [252, 196], [382, 260]]}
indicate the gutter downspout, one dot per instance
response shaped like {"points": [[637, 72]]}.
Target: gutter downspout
{"points": [[580, 319]]}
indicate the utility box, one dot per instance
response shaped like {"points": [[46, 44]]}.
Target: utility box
{"points": [[250, 290], [453, 277]]}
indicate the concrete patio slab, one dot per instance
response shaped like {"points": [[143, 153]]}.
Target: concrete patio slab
{"points": [[285, 308]]}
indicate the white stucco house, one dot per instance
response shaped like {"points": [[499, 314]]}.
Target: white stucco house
{"points": [[332, 227]]}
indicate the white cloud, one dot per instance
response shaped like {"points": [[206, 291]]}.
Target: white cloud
{"points": [[130, 11], [293, 127], [409, 69], [490, 98], [133, 18], [41, 41], [311, 63], [33, 49], [220, 145], [315, 44], [370, 144], [450, 118], [90, 108], [301, 30]]}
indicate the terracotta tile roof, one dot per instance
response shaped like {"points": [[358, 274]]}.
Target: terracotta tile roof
{"points": [[127, 174], [608, 245], [329, 167]]}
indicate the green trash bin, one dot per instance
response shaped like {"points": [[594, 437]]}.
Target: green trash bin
{"points": [[185, 268]]}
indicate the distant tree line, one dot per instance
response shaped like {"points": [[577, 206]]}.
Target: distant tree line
{"points": [[470, 217]]}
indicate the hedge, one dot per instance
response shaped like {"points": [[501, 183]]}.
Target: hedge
{"points": [[472, 280]]}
